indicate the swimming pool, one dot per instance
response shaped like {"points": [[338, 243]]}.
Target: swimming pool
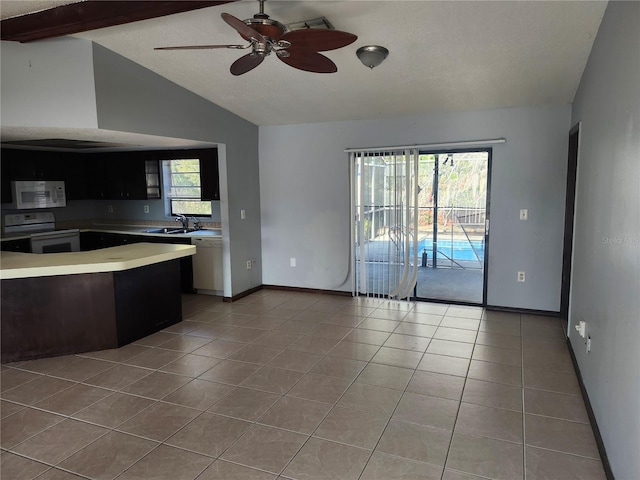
{"points": [[456, 249]]}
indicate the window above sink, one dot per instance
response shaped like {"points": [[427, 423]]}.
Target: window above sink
{"points": [[183, 187]]}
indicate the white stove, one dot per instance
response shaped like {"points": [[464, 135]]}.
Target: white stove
{"points": [[29, 222], [41, 228]]}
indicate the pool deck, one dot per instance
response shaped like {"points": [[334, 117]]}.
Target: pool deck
{"points": [[460, 281], [445, 284]]}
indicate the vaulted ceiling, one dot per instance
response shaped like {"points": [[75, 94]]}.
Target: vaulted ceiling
{"points": [[444, 55]]}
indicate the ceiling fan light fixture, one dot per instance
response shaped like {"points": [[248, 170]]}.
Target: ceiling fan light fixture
{"points": [[372, 55]]}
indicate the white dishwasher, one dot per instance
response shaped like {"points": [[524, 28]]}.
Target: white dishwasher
{"points": [[207, 265]]}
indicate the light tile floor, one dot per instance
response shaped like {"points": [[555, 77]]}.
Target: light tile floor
{"points": [[307, 386]]}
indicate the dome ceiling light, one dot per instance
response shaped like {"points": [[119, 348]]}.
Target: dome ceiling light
{"points": [[372, 55]]}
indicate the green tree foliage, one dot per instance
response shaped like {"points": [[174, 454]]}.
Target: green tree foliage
{"points": [[185, 188]]}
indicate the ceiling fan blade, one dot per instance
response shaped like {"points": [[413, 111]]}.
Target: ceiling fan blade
{"points": [[309, 61], [246, 63], [243, 29], [316, 40], [202, 47]]}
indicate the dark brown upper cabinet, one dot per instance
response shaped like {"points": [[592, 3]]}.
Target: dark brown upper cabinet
{"points": [[209, 175], [105, 175]]}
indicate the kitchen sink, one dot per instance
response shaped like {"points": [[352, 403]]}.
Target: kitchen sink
{"points": [[171, 231], [163, 230]]}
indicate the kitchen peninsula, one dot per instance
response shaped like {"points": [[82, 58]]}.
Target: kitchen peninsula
{"points": [[73, 302]]}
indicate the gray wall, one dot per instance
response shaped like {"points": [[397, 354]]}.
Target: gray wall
{"points": [[606, 262], [304, 186], [42, 82]]}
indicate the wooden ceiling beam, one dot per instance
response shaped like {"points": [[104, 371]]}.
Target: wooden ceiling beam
{"points": [[91, 15]]}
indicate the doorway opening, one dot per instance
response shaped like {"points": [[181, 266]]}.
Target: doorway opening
{"points": [[569, 209]]}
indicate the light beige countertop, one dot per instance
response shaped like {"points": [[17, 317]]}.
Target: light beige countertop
{"points": [[112, 259], [137, 230], [133, 230]]}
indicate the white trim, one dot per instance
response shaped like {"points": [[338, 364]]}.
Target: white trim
{"points": [[573, 239], [363, 286], [470, 143], [352, 253]]}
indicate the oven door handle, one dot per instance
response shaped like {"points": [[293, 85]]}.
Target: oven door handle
{"points": [[54, 235]]}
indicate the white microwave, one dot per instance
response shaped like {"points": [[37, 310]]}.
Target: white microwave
{"points": [[28, 194]]}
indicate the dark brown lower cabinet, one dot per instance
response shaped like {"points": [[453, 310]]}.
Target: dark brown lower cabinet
{"points": [[61, 315], [22, 245], [96, 240]]}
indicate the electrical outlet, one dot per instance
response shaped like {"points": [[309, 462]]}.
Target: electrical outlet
{"points": [[521, 277], [146, 209], [292, 261], [243, 214], [110, 208], [249, 265], [524, 214]]}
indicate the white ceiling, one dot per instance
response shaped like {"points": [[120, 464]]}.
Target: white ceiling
{"points": [[444, 55]]}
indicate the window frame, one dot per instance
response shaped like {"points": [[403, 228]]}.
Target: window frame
{"points": [[168, 156], [170, 188]]}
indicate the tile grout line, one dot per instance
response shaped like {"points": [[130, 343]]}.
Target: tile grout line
{"points": [[373, 450], [446, 459], [310, 436], [283, 395], [255, 422]]}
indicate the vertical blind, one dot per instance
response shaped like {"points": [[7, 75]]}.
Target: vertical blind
{"points": [[384, 199]]}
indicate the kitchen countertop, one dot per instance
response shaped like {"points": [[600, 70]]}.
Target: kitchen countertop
{"points": [[131, 230], [138, 230], [112, 259]]}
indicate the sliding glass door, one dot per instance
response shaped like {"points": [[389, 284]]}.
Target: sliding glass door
{"points": [[420, 224], [453, 225], [385, 200]]}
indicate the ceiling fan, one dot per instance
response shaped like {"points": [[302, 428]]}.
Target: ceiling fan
{"points": [[297, 48]]}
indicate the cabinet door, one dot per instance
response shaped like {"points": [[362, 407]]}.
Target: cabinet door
{"points": [[76, 178], [136, 180], [22, 245], [96, 177], [5, 180], [126, 177], [50, 165], [152, 178], [209, 175], [34, 165], [22, 164], [115, 179]]}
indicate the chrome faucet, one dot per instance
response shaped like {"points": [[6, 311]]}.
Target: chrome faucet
{"points": [[196, 223], [184, 220]]}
